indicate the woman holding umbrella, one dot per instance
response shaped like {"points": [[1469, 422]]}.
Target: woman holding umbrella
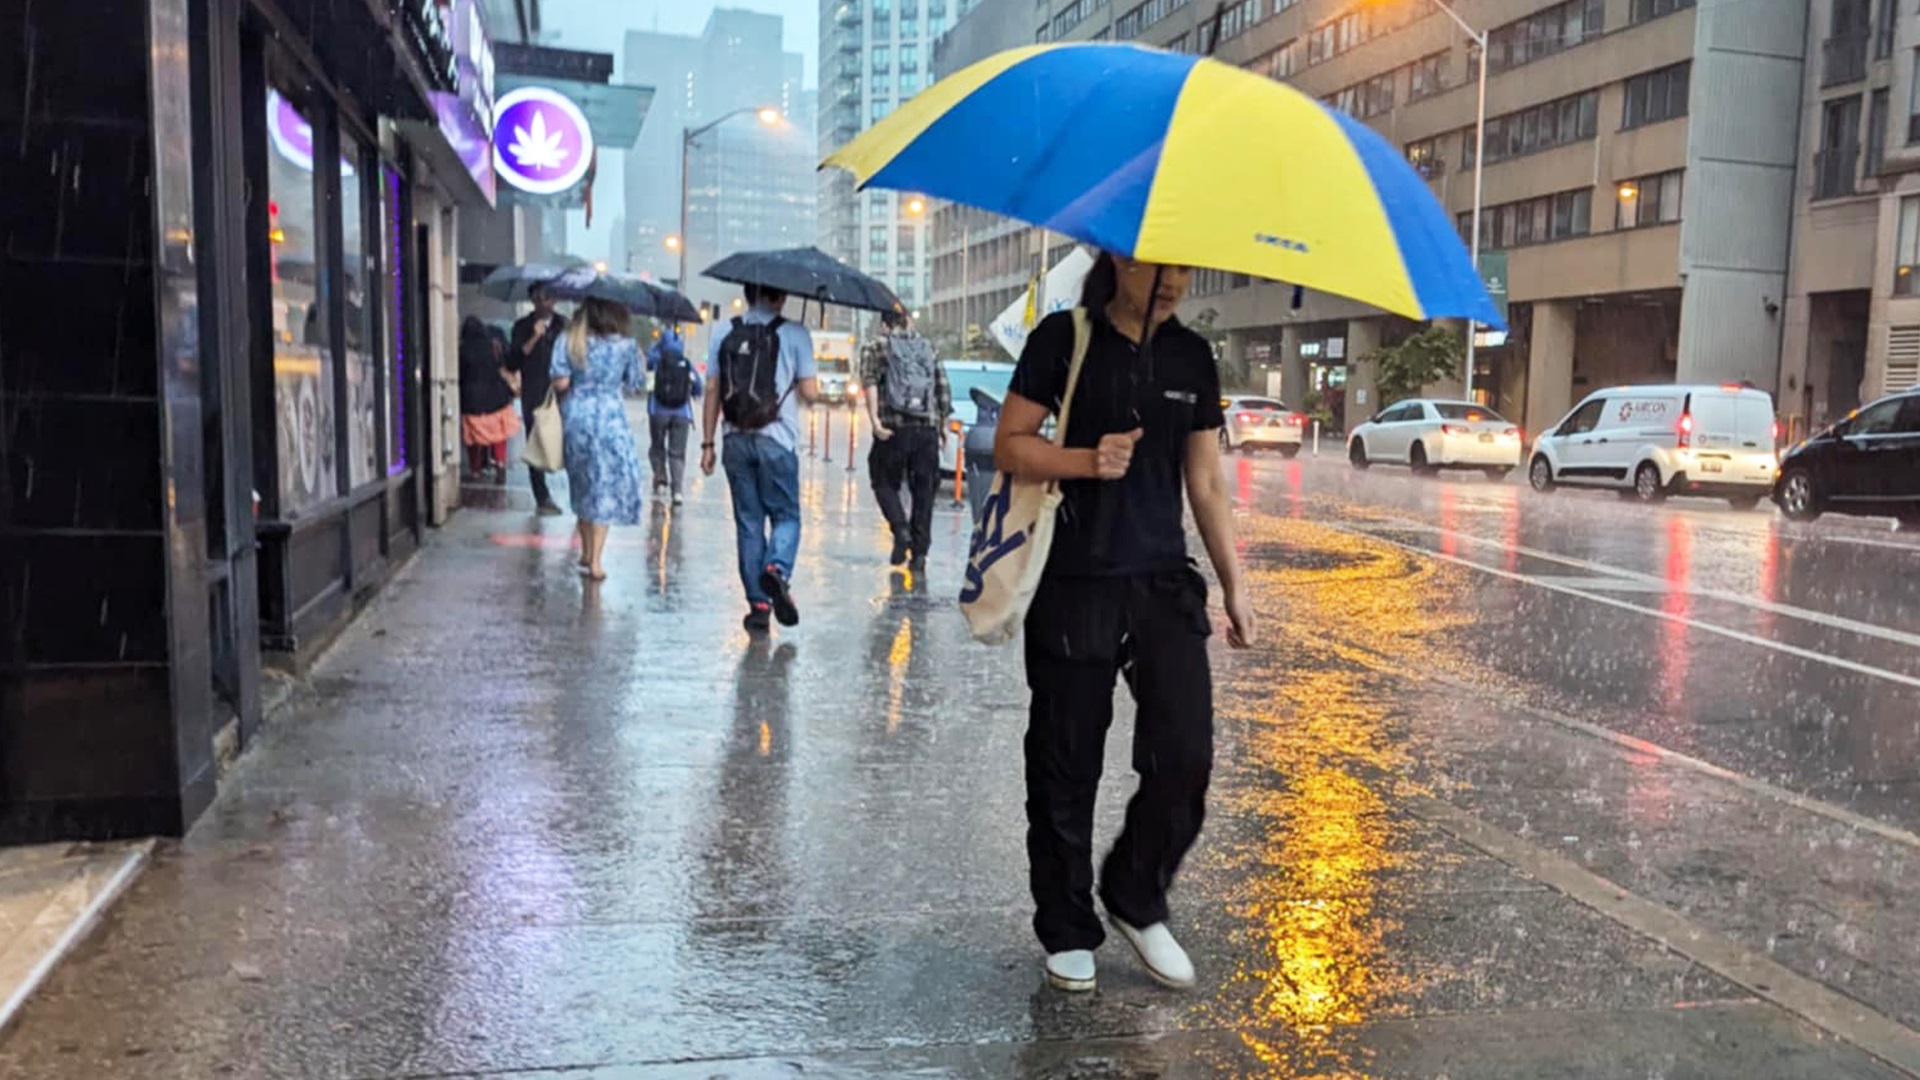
{"points": [[598, 363], [1142, 434]]}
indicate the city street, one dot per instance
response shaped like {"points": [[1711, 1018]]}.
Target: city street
{"points": [[1515, 786]]}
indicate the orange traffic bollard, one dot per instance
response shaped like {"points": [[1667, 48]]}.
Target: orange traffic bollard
{"points": [[960, 472], [826, 438]]}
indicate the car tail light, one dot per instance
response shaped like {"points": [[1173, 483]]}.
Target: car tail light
{"points": [[1776, 432], [1512, 433], [1249, 418], [1300, 418], [1455, 429], [1686, 430]]}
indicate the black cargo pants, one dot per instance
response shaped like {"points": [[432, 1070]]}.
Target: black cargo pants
{"points": [[1080, 633]]}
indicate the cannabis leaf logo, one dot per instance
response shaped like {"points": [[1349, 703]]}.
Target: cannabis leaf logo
{"points": [[534, 147]]}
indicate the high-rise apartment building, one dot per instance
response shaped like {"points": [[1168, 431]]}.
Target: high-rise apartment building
{"points": [[874, 54], [1640, 177], [749, 184]]}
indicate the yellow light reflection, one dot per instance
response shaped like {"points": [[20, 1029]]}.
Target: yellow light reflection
{"points": [[1316, 836], [897, 659]]}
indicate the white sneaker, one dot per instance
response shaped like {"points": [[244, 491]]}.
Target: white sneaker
{"points": [[1071, 970], [1166, 961], [678, 498]]}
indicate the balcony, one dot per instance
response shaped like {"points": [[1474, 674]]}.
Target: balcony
{"points": [[1835, 172], [1845, 60], [846, 44], [846, 15]]}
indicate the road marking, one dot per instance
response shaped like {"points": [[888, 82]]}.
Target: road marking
{"points": [[1826, 1008], [1832, 622], [1683, 620]]}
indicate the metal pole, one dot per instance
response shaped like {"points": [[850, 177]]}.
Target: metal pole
{"points": [[1316, 438], [826, 440], [686, 152], [1479, 172], [966, 289], [853, 431]]}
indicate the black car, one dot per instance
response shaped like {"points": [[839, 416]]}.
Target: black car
{"points": [[1867, 464]]}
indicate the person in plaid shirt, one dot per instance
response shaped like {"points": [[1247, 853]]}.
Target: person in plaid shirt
{"points": [[906, 448]]}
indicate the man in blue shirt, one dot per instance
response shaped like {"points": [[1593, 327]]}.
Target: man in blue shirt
{"points": [[670, 411], [762, 367]]}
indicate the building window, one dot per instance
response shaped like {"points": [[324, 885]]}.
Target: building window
{"points": [[1835, 166], [1545, 33], [1913, 103], [910, 83], [1532, 221], [1241, 17], [1844, 53], [882, 59], [1138, 18], [878, 109], [877, 237], [363, 365], [1281, 63], [1542, 127], [1074, 14], [883, 84], [1883, 28], [1648, 200], [909, 57], [302, 359], [1657, 95], [1906, 257], [1427, 157], [1876, 133], [1428, 76], [905, 284], [1643, 10]]}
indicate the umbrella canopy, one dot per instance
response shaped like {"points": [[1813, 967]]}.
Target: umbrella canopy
{"points": [[640, 296], [806, 273], [1176, 159], [513, 283]]}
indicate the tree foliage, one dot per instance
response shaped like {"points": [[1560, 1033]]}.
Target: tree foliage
{"points": [[1434, 354]]}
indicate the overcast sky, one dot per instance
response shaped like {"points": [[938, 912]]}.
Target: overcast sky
{"points": [[602, 25], [596, 24]]}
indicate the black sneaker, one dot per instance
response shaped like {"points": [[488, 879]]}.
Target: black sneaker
{"points": [[899, 556], [918, 567], [759, 619], [775, 583]]}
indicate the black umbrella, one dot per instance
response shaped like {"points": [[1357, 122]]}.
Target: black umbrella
{"points": [[513, 283], [639, 296], [808, 274]]}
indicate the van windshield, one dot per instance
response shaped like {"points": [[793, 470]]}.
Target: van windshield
{"points": [[1450, 410]]}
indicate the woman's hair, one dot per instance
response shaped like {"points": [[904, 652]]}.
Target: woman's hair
{"points": [[596, 318], [1102, 284]]}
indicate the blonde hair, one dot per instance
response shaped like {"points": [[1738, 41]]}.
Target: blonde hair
{"points": [[596, 318]]}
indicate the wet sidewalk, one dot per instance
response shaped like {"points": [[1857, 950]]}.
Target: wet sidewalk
{"points": [[528, 826]]}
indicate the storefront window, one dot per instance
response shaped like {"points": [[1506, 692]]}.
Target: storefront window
{"points": [[302, 363], [393, 295], [363, 402]]}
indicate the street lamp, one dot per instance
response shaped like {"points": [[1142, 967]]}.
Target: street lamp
{"points": [[1479, 38], [766, 114]]}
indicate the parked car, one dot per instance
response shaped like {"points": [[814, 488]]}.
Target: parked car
{"points": [[1428, 435], [1867, 465], [1257, 423], [979, 388], [1655, 441]]}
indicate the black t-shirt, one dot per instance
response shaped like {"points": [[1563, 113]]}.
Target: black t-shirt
{"points": [[1117, 393], [536, 370]]}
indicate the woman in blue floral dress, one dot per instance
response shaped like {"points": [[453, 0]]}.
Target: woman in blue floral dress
{"points": [[603, 462]]}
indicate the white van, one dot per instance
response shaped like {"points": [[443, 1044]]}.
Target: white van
{"points": [[1656, 441]]}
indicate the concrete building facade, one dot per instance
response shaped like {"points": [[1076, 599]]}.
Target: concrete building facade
{"points": [[875, 54], [1641, 179]]}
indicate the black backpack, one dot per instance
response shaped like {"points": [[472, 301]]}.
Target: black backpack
{"points": [[672, 378], [750, 393]]}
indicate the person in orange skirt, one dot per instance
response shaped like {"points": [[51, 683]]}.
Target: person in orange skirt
{"points": [[488, 415]]}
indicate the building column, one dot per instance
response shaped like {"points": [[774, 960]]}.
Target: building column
{"points": [[1363, 387], [1550, 363], [1293, 368], [106, 711]]}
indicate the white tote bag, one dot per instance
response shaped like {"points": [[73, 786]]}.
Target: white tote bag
{"points": [[1015, 530], [546, 440]]}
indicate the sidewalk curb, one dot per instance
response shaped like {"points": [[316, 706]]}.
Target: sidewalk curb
{"points": [[85, 883]]}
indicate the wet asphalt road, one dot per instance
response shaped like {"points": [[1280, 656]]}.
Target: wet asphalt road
{"points": [[1516, 787]]}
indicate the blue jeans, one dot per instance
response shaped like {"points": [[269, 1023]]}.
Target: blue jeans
{"points": [[764, 477]]}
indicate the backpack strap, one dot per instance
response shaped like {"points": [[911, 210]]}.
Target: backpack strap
{"points": [[1082, 339]]}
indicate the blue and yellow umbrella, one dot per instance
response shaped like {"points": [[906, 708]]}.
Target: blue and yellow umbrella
{"points": [[1176, 159]]}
